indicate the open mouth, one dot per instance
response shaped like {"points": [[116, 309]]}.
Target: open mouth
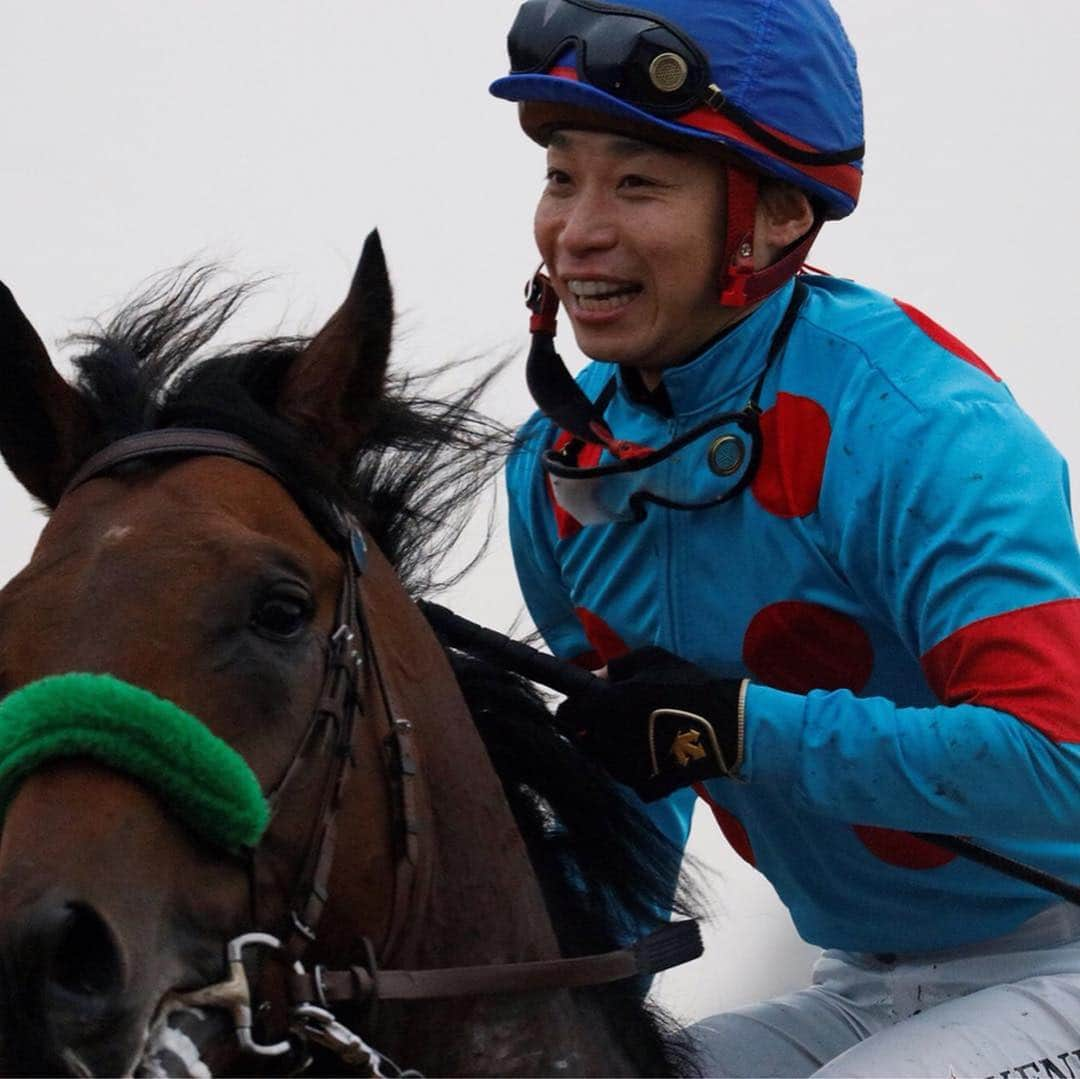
{"points": [[601, 296]]}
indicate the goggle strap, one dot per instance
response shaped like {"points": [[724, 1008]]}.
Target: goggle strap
{"points": [[795, 154], [560, 398], [557, 464]]}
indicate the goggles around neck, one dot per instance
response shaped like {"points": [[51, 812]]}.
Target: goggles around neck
{"points": [[707, 466], [632, 55]]}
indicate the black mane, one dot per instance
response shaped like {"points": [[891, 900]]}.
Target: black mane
{"points": [[604, 870], [413, 485]]}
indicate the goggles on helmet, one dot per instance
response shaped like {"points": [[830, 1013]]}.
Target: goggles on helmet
{"points": [[644, 61], [632, 55]]}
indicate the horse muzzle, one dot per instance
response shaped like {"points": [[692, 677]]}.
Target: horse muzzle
{"points": [[68, 1008], [93, 935]]}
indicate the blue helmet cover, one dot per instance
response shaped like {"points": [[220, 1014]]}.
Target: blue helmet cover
{"points": [[788, 63]]}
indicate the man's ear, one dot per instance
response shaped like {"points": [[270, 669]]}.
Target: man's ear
{"points": [[784, 215]]}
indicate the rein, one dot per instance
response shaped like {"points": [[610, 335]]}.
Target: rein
{"points": [[352, 675], [563, 677]]}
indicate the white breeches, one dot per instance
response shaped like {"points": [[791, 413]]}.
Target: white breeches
{"points": [[1007, 1008]]}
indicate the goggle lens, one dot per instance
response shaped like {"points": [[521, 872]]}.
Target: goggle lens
{"points": [[707, 466], [635, 57]]}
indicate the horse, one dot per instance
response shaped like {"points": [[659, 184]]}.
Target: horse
{"points": [[223, 594]]}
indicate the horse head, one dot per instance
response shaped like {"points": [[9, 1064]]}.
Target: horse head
{"points": [[200, 580], [224, 720]]}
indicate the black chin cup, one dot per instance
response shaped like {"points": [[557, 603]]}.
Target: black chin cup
{"points": [[558, 395]]}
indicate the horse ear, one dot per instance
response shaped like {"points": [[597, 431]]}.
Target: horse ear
{"points": [[333, 387], [47, 428]]}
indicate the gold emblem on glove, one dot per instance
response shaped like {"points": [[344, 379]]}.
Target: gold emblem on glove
{"points": [[687, 747]]}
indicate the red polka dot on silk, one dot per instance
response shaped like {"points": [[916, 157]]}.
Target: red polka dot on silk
{"points": [[947, 341], [901, 848], [795, 438], [798, 647], [607, 644]]}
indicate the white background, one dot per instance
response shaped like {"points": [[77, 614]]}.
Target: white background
{"points": [[273, 135]]}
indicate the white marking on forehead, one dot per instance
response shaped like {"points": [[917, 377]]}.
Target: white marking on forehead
{"points": [[116, 533]]}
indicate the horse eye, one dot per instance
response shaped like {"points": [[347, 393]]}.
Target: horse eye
{"points": [[280, 615]]}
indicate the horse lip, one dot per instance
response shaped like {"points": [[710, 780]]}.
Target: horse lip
{"points": [[116, 1055], [117, 1037], [125, 1052]]}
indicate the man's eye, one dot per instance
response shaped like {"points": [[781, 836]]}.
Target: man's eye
{"points": [[634, 180]]}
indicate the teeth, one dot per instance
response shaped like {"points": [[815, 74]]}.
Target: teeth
{"points": [[596, 288], [601, 295], [603, 303]]}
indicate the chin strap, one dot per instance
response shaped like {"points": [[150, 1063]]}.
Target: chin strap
{"points": [[554, 389], [742, 284]]}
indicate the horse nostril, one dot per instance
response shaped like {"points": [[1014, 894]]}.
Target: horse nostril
{"points": [[86, 958]]}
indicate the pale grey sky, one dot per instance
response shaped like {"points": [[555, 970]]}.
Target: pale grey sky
{"points": [[273, 135]]}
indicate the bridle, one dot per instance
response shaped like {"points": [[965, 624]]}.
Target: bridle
{"points": [[353, 678]]}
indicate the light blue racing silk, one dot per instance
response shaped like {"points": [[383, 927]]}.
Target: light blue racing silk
{"points": [[900, 582]]}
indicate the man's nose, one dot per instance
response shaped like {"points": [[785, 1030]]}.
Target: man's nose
{"points": [[589, 225]]}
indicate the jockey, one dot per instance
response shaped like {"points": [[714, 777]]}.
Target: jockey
{"points": [[827, 561]]}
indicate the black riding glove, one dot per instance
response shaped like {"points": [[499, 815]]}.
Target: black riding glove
{"points": [[658, 722]]}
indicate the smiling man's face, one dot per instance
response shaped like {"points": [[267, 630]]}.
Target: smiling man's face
{"points": [[632, 235]]}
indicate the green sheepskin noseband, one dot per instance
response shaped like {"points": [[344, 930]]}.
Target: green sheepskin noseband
{"points": [[200, 777]]}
